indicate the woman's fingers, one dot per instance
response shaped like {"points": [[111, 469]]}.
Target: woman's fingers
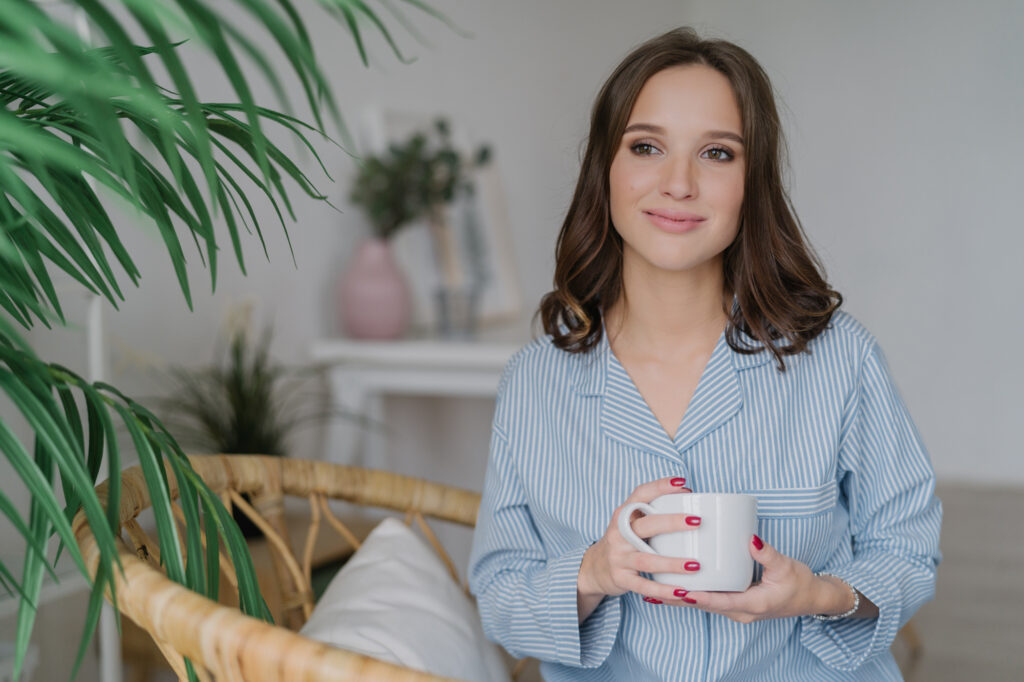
{"points": [[649, 588], [649, 525], [613, 566], [742, 607], [655, 563], [765, 554], [785, 590], [646, 492], [656, 593]]}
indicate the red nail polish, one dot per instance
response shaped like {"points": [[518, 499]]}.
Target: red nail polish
{"points": [[678, 482], [651, 600], [692, 520], [681, 593], [758, 544], [692, 565], [689, 601]]}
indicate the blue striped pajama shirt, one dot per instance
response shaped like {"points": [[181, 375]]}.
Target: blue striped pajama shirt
{"points": [[843, 484]]}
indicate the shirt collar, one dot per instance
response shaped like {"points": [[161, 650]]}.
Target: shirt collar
{"points": [[591, 371], [747, 360]]}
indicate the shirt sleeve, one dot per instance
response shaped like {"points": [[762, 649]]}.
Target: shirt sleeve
{"points": [[894, 520], [527, 600]]}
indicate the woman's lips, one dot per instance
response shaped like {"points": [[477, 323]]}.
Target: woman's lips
{"points": [[674, 221]]}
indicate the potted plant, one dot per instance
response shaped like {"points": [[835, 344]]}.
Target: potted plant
{"points": [[93, 109], [415, 178], [243, 403]]}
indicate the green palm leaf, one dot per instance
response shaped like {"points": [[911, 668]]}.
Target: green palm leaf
{"points": [[70, 108], [155, 189]]}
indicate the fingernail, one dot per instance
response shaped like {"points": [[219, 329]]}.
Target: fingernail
{"points": [[692, 520], [681, 593], [678, 482], [758, 544], [689, 601], [692, 565], [651, 600]]}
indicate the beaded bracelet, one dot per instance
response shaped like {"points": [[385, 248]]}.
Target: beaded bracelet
{"points": [[853, 609]]}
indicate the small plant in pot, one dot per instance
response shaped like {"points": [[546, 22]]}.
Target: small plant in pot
{"points": [[245, 403]]}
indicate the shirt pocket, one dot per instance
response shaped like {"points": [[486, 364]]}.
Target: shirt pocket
{"points": [[799, 522]]}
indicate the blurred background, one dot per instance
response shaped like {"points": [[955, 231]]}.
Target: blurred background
{"points": [[906, 160]]}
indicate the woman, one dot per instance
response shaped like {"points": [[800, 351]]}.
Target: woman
{"points": [[693, 345]]}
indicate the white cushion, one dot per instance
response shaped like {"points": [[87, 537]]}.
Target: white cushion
{"points": [[394, 600]]}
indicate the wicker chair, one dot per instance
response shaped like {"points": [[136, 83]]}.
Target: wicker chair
{"points": [[221, 642]]}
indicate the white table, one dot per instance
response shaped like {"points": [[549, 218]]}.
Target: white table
{"points": [[361, 373]]}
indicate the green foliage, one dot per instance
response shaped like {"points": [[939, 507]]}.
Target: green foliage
{"points": [[243, 404], [412, 178], [84, 122]]}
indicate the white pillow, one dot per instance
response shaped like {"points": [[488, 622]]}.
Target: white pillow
{"points": [[395, 601]]}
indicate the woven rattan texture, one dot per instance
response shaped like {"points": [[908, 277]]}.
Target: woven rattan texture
{"points": [[221, 642]]}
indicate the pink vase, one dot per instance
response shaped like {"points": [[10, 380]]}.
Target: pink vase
{"points": [[373, 296]]}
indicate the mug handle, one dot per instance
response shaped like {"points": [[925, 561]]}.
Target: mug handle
{"points": [[626, 528]]}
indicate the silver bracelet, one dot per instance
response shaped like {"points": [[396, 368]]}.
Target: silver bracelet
{"points": [[853, 609]]}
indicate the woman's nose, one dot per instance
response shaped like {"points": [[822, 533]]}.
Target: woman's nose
{"points": [[679, 179]]}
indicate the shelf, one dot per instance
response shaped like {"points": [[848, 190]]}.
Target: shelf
{"points": [[361, 373], [415, 354]]}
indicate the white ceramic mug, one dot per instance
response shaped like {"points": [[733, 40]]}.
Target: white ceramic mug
{"points": [[720, 543]]}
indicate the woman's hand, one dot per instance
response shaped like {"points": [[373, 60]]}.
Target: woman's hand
{"points": [[612, 566], [788, 588]]}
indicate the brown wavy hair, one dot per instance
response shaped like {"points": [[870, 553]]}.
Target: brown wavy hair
{"points": [[782, 298]]}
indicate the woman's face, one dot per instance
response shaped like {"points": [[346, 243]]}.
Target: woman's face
{"points": [[676, 181]]}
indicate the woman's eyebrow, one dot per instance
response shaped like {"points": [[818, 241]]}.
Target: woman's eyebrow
{"points": [[724, 134], [658, 130], [645, 128]]}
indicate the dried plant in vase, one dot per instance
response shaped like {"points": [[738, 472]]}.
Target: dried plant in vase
{"points": [[422, 177], [414, 178]]}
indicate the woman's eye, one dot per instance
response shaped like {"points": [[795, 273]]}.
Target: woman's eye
{"points": [[718, 154], [643, 148]]}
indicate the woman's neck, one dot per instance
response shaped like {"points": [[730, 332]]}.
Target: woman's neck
{"points": [[658, 314]]}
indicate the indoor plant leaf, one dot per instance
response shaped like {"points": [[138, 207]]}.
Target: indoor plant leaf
{"points": [[65, 151]]}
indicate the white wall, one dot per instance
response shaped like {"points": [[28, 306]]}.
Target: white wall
{"points": [[907, 159]]}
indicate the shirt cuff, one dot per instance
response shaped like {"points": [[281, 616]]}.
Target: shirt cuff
{"points": [[589, 644], [846, 644]]}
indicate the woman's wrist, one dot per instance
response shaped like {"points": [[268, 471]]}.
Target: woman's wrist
{"points": [[587, 597], [837, 598], [585, 587]]}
